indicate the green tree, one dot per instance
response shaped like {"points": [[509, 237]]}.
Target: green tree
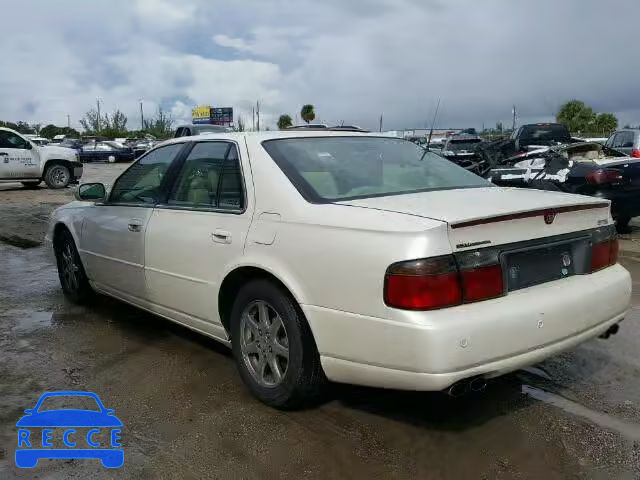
{"points": [[284, 121], [605, 123], [115, 126], [92, 124], [160, 126], [51, 131], [307, 113], [576, 116]]}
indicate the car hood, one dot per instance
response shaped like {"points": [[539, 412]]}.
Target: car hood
{"points": [[463, 205], [69, 418]]}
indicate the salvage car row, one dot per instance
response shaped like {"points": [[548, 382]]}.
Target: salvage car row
{"points": [[546, 157]]}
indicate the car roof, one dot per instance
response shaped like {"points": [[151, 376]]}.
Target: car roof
{"points": [[270, 135]]}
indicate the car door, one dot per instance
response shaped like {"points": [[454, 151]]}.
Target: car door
{"points": [[113, 233], [18, 157], [203, 225]]}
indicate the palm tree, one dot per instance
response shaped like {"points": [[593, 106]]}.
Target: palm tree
{"points": [[307, 113], [284, 121]]}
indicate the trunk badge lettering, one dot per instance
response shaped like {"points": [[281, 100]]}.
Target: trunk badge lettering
{"points": [[549, 216]]}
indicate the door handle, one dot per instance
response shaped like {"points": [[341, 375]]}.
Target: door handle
{"points": [[221, 236], [135, 225], [4, 154]]}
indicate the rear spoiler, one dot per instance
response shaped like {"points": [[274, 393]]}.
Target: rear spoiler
{"points": [[546, 213]]}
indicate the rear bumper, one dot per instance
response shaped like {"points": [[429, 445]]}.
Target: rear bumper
{"points": [[433, 350]]}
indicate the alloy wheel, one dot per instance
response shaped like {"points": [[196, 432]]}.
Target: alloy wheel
{"points": [[264, 343], [59, 176], [70, 269]]}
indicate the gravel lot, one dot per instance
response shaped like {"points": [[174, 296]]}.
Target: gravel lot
{"points": [[186, 413]]}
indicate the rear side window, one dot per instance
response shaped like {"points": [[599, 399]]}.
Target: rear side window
{"points": [[210, 178]]}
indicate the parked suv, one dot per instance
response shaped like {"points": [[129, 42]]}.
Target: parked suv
{"points": [[626, 141]]}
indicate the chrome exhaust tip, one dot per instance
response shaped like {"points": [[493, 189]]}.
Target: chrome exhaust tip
{"points": [[613, 329], [458, 389], [478, 384]]}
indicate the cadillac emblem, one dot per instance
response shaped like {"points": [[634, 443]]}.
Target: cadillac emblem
{"points": [[549, 217]]}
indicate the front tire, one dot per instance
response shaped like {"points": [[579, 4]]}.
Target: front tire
{"points": [[73, 279], [57, 176], [273, 347]]}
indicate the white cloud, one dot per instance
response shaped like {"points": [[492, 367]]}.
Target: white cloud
{"points": [[353, 60]]}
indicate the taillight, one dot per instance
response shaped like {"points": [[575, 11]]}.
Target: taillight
{"points": [[439, 282], [481, 274], [604, 250], [635, 153], [423, 284], [604, 176]]}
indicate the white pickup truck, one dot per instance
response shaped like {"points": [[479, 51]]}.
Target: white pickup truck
{"points": [[21, 160]]}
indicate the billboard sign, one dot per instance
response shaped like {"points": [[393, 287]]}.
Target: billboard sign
{"points": [[212, 116]]}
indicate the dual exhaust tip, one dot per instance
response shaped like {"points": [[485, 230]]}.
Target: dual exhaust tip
{"points": [[467, 385], [478, 384]]}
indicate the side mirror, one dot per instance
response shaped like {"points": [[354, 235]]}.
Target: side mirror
{"points": [[91, 192]]}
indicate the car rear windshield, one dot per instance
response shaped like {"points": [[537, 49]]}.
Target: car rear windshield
{"points": [[556, 133], [328, 169], [457, 145]]}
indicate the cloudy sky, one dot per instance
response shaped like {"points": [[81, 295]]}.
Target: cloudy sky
{"points": [[353, 59]]}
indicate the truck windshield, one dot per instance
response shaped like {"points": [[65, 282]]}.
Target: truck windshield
{"points": [[326, 169]]}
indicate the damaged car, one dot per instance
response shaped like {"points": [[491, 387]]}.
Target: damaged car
{"points": [[461, 149], [583, 168]]}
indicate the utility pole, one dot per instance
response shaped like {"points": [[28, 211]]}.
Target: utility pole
{"points": [[380, 129], [68, 121], [141, 116], [513, 127], [253, 119], [98, 103], [258, 113]]}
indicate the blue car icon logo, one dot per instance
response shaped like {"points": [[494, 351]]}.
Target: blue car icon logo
{"points": [[69, 433]]}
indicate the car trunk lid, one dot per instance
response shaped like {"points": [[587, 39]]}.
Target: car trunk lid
{"points": [[493, 216]]}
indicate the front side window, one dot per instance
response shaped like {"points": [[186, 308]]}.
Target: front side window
{"points": [[210, 178], [141, 183], [326, 169], [11, 140]]}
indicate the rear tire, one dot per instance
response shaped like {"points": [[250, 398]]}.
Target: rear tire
{"points": [[622, 224], [31, 185], [261, 341], [73, 279], [57, 176]]}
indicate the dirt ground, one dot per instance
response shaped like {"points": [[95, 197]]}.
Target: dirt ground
{"points": [[186, 413]]}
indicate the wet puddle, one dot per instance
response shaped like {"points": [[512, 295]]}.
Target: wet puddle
{"points": [[626, 429], [26, 322], [19, 242]]}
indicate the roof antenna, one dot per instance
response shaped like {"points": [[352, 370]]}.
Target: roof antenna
{"points": [[433, 123]]}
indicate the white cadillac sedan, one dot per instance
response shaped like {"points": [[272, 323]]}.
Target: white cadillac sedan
{"points": [[344, 256]]}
